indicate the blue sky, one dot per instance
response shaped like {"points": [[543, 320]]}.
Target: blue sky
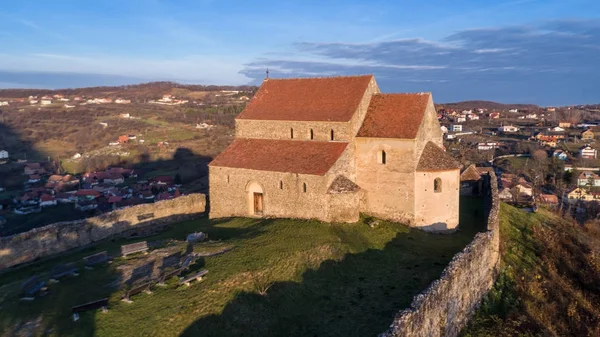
{"points": [[539, 51]]}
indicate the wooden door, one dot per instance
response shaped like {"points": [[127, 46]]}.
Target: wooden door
{"points": [[258, 203]]}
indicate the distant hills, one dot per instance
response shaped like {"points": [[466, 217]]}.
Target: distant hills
{"points": [[486, 105], [151, 89]]}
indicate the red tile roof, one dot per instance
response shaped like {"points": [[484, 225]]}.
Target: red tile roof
{"points": [[307, 99], [433, 158], [304, 157], [394, 115]]}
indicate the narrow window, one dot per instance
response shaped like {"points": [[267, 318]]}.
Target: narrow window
{"points": [[381, 157], [331, 134], [292, 133], [437, 185], [228, 178], [304, 187], [281, 184], [312, 134]]}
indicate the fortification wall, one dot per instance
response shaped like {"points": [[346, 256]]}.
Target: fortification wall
{"points": [[446, 306], [62, 236]]}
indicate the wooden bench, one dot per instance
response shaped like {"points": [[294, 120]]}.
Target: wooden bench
{"points": [[31, 287], [63, 270], [145, 287], [167, 275], [96, 259], [133, 248], [101, 303], [197, 276]]}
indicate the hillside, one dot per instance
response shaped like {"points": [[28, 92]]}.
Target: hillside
{"points": [[465, 105], [137, 91], [549, 281]]}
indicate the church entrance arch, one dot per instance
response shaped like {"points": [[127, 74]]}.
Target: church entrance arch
{"points": [[255, 198]]}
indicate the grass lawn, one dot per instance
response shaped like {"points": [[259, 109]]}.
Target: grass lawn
{"points": [[315, 279]]}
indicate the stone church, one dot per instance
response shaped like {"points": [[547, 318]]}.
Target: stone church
{"points": [[332, 148]]}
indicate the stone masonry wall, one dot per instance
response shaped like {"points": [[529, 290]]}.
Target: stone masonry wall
{"points": [[62, 236], [446, 306]]}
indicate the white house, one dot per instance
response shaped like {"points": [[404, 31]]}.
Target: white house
{"points": [[32, 102], [487, 146], [444, 129], [508, 128], [513, 110], [473, 117], [588, 152], [456, 128], [46, 102], [3, 154], [531, 116], [69, 106], [122, 101], [557, 129], [125, 115], [461, 119], [4, 103], [588, 178]]}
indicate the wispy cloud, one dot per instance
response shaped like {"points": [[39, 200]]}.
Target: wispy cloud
{"points": [[533, 58]]}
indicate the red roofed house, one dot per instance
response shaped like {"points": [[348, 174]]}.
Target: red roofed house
{"points": [[332, 148]]}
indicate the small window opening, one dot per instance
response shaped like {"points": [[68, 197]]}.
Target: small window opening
{"points": [[312, 134], [304, 187], [437, 185], [331, 134], [228, 178], [281, 184], [292, 133], [382, 157]]}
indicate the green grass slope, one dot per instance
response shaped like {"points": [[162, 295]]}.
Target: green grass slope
{"points": [[283, 278], [549, 281]]}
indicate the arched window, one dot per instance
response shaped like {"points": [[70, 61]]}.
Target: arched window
{"points": [[437, 185], [312, 134], [304, 187], [281, 184], [331, 134], [292, 133], [381, 157]]}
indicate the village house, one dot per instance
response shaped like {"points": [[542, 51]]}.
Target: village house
{"points": [[557, 129], [587, 135], [494, 115], [564, 124], [3, 154], [47, 200], [582, 194], [548, 199], [508, 129], [457, 128], [46, 102], [123, 139], [461, 119], [332, 148], [589, 179], [560, 154], [588, 152], [531, 116], [487, 146]]}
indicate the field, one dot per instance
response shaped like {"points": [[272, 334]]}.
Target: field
{"points": [[282, 277]]}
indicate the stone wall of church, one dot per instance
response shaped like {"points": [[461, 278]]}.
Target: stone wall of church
{"points": [[437, 211], [389, 188], [283, 194], [342, 131]]}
